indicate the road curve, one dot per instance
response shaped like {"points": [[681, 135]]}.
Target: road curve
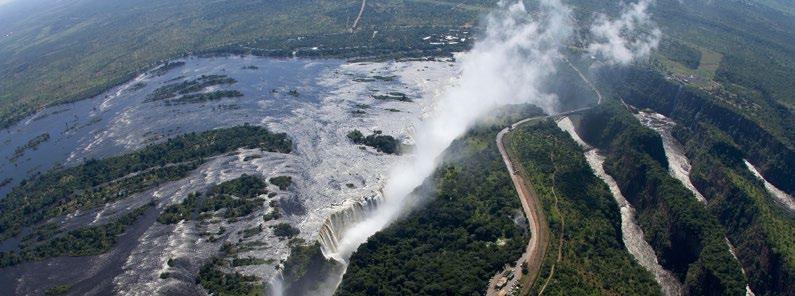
{"points": [[539, 230]]}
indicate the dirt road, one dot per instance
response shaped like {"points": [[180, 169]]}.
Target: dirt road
{"points": [[539, 230], [358, 17]]}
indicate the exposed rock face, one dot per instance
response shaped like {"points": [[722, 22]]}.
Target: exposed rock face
{"points": [[336, 225]]}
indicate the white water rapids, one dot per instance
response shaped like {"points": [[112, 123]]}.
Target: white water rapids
{"points": [[782, 197], [678, 163], [630, 230]]}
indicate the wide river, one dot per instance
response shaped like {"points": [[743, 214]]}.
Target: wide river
{"points": [[316, 102]]}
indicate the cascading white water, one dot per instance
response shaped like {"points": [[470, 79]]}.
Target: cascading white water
{"points": [[782, 197], [338, 223], [630, 231], [276, 284], [678, 163], [506, 66]]}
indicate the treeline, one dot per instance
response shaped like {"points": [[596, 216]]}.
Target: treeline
{"points": [[595, 260], [393, 96], [306, 269], [81, 242], [454, 244], [166, 67], [691, 108], [761, 231], [687, 239], [60, 192], [31, 144], [283, 182], [213, 278], [204, 97], [237, 198], [189, 92], [389, 43]]}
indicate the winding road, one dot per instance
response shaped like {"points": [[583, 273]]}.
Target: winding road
{"points": [[539, 229]]}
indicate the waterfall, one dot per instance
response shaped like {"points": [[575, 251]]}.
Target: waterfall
{"points": [[276, 284], [335, 226]]}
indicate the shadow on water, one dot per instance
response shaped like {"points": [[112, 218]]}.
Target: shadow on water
{"points": [[89, 275]]}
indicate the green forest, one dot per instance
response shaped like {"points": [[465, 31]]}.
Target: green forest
{"points": [[766, 137], [456, 242], [584, 220], [760, 230], [687, 239], [87, 241], [237, 198], [283, 182], [169, 91], [218, 282], [383, 143]]}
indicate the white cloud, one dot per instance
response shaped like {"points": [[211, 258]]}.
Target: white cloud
{"points": [[506, 66], [633, 35]]}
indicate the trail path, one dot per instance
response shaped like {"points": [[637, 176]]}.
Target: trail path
{"points": [[562, 227], [359, 17]]}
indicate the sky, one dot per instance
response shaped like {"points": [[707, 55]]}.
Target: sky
{"points": [[4, 2]]}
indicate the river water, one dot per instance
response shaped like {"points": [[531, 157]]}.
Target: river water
{"points": [[786, 200], [678, 163], [331, 98], [631, 232]]}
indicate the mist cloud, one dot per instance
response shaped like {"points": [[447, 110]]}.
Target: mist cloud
{"points": [[507, 65], [633, 35]]}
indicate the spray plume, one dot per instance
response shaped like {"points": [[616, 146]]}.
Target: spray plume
{"points": [[631, 36], [505, 66]]}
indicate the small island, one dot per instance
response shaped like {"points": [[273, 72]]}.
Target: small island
{"points": [[383, 143]]}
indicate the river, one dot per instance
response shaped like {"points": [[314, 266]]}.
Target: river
{"points": [[316, 102], [631, 232]]}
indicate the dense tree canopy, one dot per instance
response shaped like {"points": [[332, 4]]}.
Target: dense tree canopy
{"points": [[595, 260], [686, 238]]}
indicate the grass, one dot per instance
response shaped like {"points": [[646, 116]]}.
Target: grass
{"points": [[710, 61], [708, 65]]}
